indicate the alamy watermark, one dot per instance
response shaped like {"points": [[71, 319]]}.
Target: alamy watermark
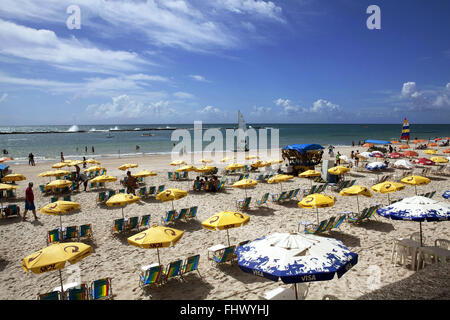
{"points": [[237, 144], [74, 20], [374, 21]]}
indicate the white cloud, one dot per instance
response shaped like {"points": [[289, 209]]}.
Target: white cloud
{"points": [[126, 107], [184, 95], [288, 107], [261, 111], [265, 9], [45, 46], [3, 97], [210, 110], [323, 106], [421, 100], [198, 78]]}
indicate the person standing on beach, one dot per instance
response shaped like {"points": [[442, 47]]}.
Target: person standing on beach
{"points": [[130, 183], [62, 157], [93, 151], [85, 149], [31, 159], [84, 162], [29, 202]]}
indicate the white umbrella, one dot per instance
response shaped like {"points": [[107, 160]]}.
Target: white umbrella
{"points": [[376, 165], [417, 208], [296, 258], [406, 164], [366, 154]]}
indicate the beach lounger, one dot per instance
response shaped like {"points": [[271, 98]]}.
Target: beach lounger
{"points": [[142, 192], [221, 184], [263, 200], [101, 198], [170, 175], [314, 229], [190, 264], [92, 185], [53, 199], [145, 221], [151, 276], [169, 218], [80, 292], [260, 178], [182, 214], [278, 197], [54, 295], [243, 204], [132, 224], [161, 188], [67, 198], [151, 191], [192, 213], [172, 270], [121, 190], [312, 190], [223, 255], [338, 222], [101, 289], [356, 218], [197, 186], [42, 188], [118, 225], [85, 232], [54, 236], [111, 193], [70, 234], [12, 210]]}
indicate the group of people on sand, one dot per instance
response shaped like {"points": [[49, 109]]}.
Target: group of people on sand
{"points": [[205, 184]]}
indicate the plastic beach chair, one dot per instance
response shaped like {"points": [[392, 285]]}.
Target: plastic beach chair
{"points": [[70, 234], [54, 236], [150, 276], [101, 289], [224, 255], [339, 222], [263, 200], [182, 214], [132, 224], [192, 213], [314, 229], [78, 293], [54, 295], [118, 225], [145, 221], [169, 218], [85, 232], [172, 270], [243, 204], [190, 264]]}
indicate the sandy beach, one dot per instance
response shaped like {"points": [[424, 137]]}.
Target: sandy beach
{"points": [[114, 257]]}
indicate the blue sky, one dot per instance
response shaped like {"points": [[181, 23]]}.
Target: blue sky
{"points": [[176, 61]]}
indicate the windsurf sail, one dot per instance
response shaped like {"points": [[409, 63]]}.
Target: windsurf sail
{"points": [[405, 130]]}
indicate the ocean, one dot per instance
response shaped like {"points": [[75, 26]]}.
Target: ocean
{"points": [[121, 140]]}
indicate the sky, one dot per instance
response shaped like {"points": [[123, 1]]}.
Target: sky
{"points": [[176, 61]]}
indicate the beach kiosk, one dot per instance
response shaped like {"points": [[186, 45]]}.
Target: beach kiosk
{"points": [[302, 157]]}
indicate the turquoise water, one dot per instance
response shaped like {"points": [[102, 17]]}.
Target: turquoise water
{"points": [[48, 146]]}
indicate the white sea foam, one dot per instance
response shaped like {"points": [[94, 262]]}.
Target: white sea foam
{"points": [[73, 128]]}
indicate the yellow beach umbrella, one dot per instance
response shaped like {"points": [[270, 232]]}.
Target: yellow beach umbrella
{"points": [[339, 170], [206, 160], [54, 173], [6, 187], [121, 200], [144, 173], [415, 181], [234, 166], [59, 208], [60, 183], [103, 179], [388, 187], [128, 166], [251, 157], [171, 195], [356, 191], [55, 257], [226, 159], [177, 163], [14, 177], [430, 151], [275, 161], [205, 169], [92, 161], [439, 159], [245, 184], [260, 164], [59, 165], [156, 237], [95, 168], [279, 179], [186, 168], [225, 220], [317, 200], [75, 163], [309, 174]]}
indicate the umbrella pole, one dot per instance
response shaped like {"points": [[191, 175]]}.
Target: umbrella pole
{"points": [[60, 279], [295, 289], [60, 221], [420, 225], [317, 211], [157, 251], [415, 187], [357, 201], [389, 199], [172, 206], [123, 216], [228, 237]]}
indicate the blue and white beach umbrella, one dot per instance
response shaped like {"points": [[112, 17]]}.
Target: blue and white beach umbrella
{"points": [[446, 194], [296, 258], [376, 165], [417, 209]]}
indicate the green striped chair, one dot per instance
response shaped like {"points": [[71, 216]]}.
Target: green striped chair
{"points": [[132, 224], [77, 293], [70, 234], [143, 192], [280, 197], [191, 264], [339, 221], [192, 213], [85, 232], [151, 191], [53, 199], [54, 295], [243, 204], [172, 270], [101, 198], [263, 200], [182, 214], [310, 191], [101, 289], [314, 229], [357, 218], [54, 236], [161, 188], [329, 225], [224, 255], [169, 217], [118, 225], [145, 221], [151, 276]]}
